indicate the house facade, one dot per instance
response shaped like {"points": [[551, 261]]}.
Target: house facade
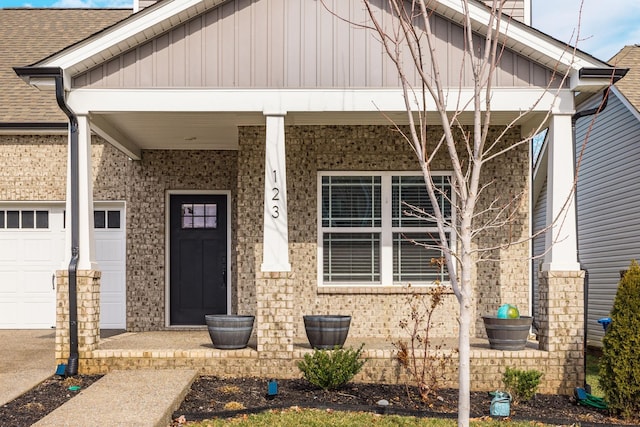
{"points": [[245, 151]]}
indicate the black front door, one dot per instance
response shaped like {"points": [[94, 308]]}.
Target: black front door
{"points": [[198, 257]]}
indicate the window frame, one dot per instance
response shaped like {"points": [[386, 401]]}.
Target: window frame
{"points": [[21, 217], [386, 230]]}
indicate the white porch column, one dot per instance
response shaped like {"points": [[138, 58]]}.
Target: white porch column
{"points": [[276, 237], [560, 238], [86, 239]]}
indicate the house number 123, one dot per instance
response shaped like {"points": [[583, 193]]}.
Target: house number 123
{"points": [[276, 197]]}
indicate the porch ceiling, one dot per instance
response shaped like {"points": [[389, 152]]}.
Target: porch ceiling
{"points": [[136, 131]]}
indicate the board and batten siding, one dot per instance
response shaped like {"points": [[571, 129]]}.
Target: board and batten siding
{"points": [[608, 204], [539, 223], [289, 44]]}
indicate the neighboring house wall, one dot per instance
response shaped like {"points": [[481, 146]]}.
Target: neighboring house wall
{"points": [[608, 203], [290, 44], [539, 223]]}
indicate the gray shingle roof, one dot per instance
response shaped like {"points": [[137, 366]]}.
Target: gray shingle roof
{"points": [[629, 57], [29, 35]]}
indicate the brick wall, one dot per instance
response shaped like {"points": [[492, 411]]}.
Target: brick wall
{"points": [[376, 312], [150, 179], [34, 168]]}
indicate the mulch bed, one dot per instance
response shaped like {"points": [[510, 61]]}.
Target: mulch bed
{"points": [[212, 397], [43, 399]]}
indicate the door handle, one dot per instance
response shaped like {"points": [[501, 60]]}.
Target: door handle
{"points": [[224, 271], [53, 281]]}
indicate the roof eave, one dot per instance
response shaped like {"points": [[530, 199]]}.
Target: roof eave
{"points": [[126, 34], [595, 79]]}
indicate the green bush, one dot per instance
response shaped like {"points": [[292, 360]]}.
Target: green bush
{"points": [[331, 369], [521, 385], [620, 361]]}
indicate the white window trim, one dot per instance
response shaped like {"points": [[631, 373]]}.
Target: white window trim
{"points": [[386, 231]]}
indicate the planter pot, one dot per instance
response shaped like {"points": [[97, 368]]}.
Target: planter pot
{"points": [[327, 331], [229, 332], [507, 334]]}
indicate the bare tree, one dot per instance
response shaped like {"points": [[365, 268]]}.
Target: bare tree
{"points": [[469, 141]]}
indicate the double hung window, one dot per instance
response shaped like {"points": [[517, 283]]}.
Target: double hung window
{"points": [[377, 228]]}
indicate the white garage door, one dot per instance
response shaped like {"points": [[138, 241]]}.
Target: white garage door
{"points": [[32, 249]]}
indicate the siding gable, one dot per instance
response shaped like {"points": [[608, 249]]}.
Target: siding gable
{"points": [[285, 44]]}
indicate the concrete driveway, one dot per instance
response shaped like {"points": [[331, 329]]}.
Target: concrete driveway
{"points": [[26, 359]]}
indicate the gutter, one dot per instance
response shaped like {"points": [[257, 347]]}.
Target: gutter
{"points": [[58, 75], [22, 126], [613, 76]]}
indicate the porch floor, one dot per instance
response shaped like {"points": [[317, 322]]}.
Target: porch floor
{"points": [[185, 340]]}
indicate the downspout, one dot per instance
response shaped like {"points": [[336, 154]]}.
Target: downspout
{"points": [[613, 75], [72, 363], [57, 74]]}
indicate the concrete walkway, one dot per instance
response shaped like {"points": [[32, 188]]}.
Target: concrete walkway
{"points": [[26, 359], [125, 398]]}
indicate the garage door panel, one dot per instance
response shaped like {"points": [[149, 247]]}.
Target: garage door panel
{"points": [[8, 283], [109, 250], [9, 312], [37, 249], [39, 282], [9, 249]]}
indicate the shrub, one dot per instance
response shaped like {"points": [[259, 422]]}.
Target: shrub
{"points": [[620, 361], [331, 369], [522, 385], [424, 362]]}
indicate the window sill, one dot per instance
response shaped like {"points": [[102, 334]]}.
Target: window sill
{"points": [[379, 290]]}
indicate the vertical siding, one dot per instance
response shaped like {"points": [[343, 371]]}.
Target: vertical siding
{"points": [[292, 44], [539, 223], [608, 204]]}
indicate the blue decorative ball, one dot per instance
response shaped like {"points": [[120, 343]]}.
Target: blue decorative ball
{"points": [[508, 311]]}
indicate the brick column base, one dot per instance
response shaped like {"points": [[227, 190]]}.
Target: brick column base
{"points": [[88, 297], [561, 327], [275, 321]]}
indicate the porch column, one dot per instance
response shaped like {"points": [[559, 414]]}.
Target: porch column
{"points": [[274, 279], [560, 238], [561, 283], [86, 240], [88, 278], [276, 239]]}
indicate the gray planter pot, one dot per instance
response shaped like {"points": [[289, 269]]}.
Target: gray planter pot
{"points": [[507, 334], [327, 331], [229, 332]]}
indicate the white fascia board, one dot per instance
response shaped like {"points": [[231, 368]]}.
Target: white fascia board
{"points": [[85, 101], [140, 26], [518, 32]]}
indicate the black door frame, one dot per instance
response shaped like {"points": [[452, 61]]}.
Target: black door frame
{"points": [[167, 293]]}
